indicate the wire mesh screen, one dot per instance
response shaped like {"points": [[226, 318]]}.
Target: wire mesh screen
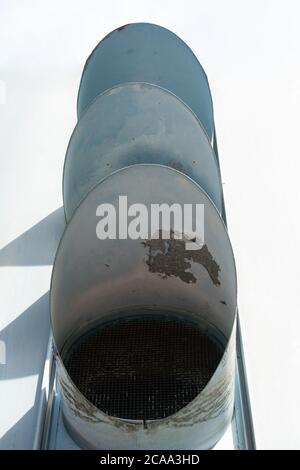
{"points": [[143, 368]]}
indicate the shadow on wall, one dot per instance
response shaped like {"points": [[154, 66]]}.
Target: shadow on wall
{"points": [[37, 246], [21, 435], [26, 338]]}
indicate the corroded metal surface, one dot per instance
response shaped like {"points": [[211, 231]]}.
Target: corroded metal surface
{"points": [[127, 369], [199, 425], [170, 258], [157, 133], [115, 275]]}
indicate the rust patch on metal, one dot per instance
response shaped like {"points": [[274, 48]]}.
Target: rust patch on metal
{"points": [[171, 258]]}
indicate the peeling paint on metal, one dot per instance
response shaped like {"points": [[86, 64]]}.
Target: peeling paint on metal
{"points": [[171, 258]]}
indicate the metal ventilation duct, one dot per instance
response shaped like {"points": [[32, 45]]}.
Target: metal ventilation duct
{"points": [[144, 329], [185, 299], [137, 123], [143, 52]]}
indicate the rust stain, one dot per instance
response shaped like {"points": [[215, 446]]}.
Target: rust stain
{"points": [[120, 28], [209, 405], [86, 411], [213, 401], [81, 408], [171, 258]]}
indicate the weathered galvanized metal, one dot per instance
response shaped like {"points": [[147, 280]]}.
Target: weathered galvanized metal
{"points": [[143, 52], [137, 123], [145, 113], [96, 281]]}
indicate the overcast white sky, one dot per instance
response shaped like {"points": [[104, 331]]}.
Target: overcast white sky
{"points": [[250, 50]]}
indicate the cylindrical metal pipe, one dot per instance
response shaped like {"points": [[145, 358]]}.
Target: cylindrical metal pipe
{"points": [[185, 300], [137, 123], [144, 325], [143, 52]]}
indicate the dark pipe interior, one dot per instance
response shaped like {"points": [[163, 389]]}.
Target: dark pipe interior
{"points": [[144, 367]]}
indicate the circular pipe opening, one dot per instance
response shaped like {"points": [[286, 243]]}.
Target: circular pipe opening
{"points": [[144, 367], [95, 282]]}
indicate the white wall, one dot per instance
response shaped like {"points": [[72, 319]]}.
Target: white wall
{"points": [[250, 51]]}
